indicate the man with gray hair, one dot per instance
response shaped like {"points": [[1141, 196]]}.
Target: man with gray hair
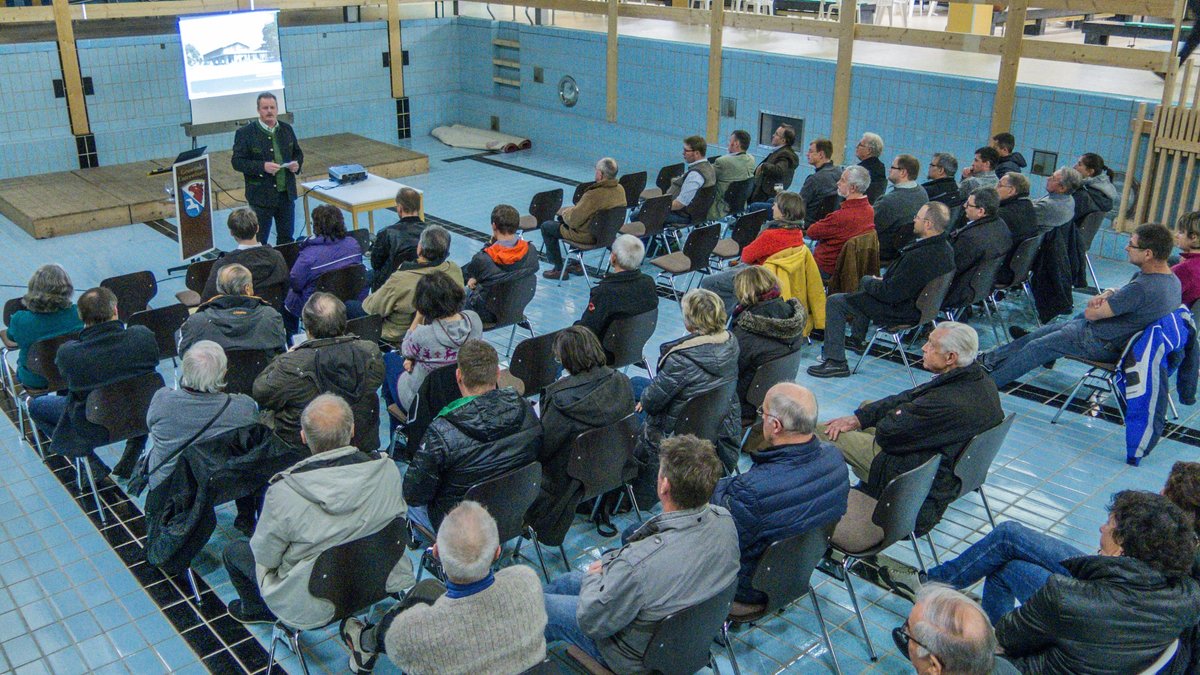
{"points": [[624, 291], [339, 494], [236, 319], [855, 216], [798, 482], [947, 632], [885, 438], [941, 186], [484, 623], [1058, 206], [572, 223], [394, 299], [868, 150]]}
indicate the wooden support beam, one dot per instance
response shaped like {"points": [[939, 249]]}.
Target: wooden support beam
{"points": [[841, 80], [934, 39], [610, 72], [716, 27], [395, 49], [1010, 62], [72, 79]]}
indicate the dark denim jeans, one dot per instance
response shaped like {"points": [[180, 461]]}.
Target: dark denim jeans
{"points": [[1070, 338]]}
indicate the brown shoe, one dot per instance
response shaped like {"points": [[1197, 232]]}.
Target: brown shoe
{"points": [[574, 268], [555, 274]]}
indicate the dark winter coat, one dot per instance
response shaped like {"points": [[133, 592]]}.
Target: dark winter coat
{"points": [[252, 149], [944, 190], [879, 181], [236, 322], [892, 300], [974, 244], [1052, 277], [777, 167], [765, 332], [267, 268], [619, 294], [395, 244], [1011, 164]]}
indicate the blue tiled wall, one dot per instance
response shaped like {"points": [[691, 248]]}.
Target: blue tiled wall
{"points": [[35, 134]]}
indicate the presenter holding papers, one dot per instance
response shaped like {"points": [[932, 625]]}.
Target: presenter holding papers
{"points": [[267, 154]]}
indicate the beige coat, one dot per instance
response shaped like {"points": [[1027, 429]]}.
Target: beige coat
{"points": [[394, 299], [605, 194]]}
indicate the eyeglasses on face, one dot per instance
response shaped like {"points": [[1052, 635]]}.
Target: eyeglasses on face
{"points": [[901, 636], [761, 412]]}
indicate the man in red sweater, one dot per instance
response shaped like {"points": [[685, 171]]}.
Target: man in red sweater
{"points": [[854, 217], [782, 232]]}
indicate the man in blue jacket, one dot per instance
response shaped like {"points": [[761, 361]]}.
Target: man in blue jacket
{"points": [[797, 483]]}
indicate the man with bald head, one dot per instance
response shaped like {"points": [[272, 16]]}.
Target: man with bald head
{"points": [[235, 318], [797, 483], [947, 633]]}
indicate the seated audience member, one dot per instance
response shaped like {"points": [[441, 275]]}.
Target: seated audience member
{"points": [[339, 494], [1085, 199], [235, 318], [946, 632], [894, 211], [1009, 161], [1187, 238], [698, 174], [590, 397], [484, 623], [328, 250], [782, 232], [506, 259], [624, 291], [1098, 180], [766, 326], [778, 167], [266, 265], [981, 173], [868, 150], [854, 217], [1117, 611], [394, 300], [486, 433], [1058, 206], [328, 360], [574, 222], [677, 559], [822, 185], [890, 300], [984, 238], [48, 312], [885, 438], [737, 165], [439, 329], [106, 353], [941, 186], [797, 483], [702, 360], [397, 243], [1016, 209], [195, 412], [1111, 318]]}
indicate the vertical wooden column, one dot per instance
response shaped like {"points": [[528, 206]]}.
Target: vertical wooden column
{"points": [[72, 79], [716, 27], [395, 49], [1010, 61], [610, 68], [1170, 64], [841, 81]]}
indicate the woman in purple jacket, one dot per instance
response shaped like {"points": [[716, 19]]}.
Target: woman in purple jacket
{"points": [[330, 249]]}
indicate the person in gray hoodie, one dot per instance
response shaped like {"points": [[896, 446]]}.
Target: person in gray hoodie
{"points": [[338, 495], [439, 328]]}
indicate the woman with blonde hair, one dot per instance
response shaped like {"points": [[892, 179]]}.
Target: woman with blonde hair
{"points": [[766, 326], [49, 312]]}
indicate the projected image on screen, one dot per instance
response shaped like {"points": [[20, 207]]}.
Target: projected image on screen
{"points": [[227, 59]]}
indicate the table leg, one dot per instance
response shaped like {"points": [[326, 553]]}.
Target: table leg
{"points": [[371, 220], [354, 217], [307, 217]]}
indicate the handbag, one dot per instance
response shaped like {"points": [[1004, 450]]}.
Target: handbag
{"points": [[141, 470]]}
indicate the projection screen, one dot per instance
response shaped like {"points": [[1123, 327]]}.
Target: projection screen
{"points": [[228, 60]]}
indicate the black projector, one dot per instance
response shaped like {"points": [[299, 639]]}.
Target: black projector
{"points": [[345, 174]]}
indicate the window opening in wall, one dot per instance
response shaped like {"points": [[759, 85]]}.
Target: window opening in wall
{"points": [[768, 122]]}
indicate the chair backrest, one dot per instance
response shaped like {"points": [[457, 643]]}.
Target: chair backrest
{"points": [[580, 189], [682, 640], [901, 500], [244, 366], [654, 214], [633, 183], [771, 373], [701, 203], [1160, 664], [197, 274], [932, 296], [439, 389], [290, 251], [700, 244], [121, 407], [786, 567], [1021, 262], [1088, 227], [12, 306], [599, 456], [273, 295], [547, 667], [747, 227], [363, 237], [972, 465], [41, 360], [134, 291], [606, 225], [508, 496], [545, 205], [163, 322], [627, 336], [737, 194], [533, 363], [353, 576], [346, 283], [369, 327], [826, 206], [507, 301], [983, 278], [702, 415], [667, 174]]}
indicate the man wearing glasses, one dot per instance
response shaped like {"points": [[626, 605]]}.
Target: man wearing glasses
{"points": [[983, 238], [1110, 319], [941, 186], [946, 632], [894, 211]]}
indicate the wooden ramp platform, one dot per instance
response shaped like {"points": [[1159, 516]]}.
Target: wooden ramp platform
{"points": [[66, 202]]}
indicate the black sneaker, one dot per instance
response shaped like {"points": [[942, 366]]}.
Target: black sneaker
{"points": [[830, 369], [241, 616], [1016, 332], [362, 660]]}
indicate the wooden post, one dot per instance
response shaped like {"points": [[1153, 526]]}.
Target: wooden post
{"points": [[716, 27], [1010, 61], [395, 49], [72, 79], [841, 81], [1170, 60], [610, 74]]}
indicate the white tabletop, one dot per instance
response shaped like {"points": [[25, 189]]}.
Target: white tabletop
{"points": [[373, 189]]}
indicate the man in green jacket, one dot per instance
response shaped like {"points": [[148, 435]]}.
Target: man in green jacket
{"points": [[736, 166]]}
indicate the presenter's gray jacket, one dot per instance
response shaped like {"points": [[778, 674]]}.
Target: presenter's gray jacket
{"points": [[674, 561], [252, 149]]}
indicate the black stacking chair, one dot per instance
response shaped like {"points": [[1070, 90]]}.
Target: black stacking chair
{"points": [[163, 322], [1020, 266], [928, 302], [507, 302], [745, 230], [663, 181], [971, 467], [693, 258], [121, 409], [651, 223], [633, 184], [439, 389], [737, 194], [703, 414], [244, 366], [41, 361], [346, 283], [627, 336], [290, 251], [134, 292], [369, 327], [1088, 227], [12, 306], [543, 207], [533, 364], [580, 189], [605, 226], [769, 374], [363, 237], [273, 295], [197, 276], [983, 282]]}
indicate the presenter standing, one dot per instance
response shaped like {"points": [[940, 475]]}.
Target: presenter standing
{"points": [[267, 154]]}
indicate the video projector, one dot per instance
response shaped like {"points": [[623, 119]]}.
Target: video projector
{"points": [[346, 174]]}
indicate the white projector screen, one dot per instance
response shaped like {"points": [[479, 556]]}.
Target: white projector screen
{"points": [[228, 60]]}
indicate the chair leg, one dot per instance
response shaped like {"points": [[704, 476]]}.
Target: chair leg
{"points": [[857, 611], [987, 508], [1092, 270], [537, 548], [92, 483], [566, 561], [920, 560], [586, 278], [1171, 402], [812, 593], [271, 653], [633, 499], [867, 350], [904, 358], [294, 639], [191, 577], [729, 648], [1070, 398], [932, 549], [511, 335]]}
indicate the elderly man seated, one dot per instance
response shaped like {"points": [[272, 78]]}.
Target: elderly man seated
{"points": [[868, 150], [854, 217], [624, 291], [394, 299], [235, 318], [1058, 206], [485, 623], [573, 223], [946, 632]]}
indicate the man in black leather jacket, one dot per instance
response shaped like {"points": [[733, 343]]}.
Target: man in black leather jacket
{"points": [[397, 243]]}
